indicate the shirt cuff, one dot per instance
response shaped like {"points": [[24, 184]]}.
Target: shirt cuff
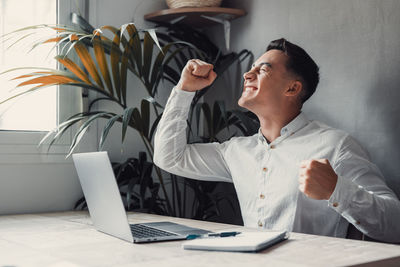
{"points": [[342, 196], [180, 98]]}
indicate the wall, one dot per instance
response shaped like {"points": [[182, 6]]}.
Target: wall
{"points": [[356, 45]]}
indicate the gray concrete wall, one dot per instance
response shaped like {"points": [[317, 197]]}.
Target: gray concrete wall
{"points": [[356, 44]]}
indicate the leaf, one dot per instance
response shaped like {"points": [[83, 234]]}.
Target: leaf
{"points": [[102, 62], [153, 101], [154, 126], [88, 62], [102, 98], [49, 79], [126, 120], [43, 73], [147, 57], [157, 69], [62, 130], [25, 68], [20, 39], [216, 117], [55, 39], [115, 31], [106, 130], [197, 111], [124, 69], [114, 58], [94, 88], [223, 120], [137, 48], [26, 92], [208, 118], [153, 35], [82, 130], [81, 22], [75, 69], [145, 116], [63, 127]]}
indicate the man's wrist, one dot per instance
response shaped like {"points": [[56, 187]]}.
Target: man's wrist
{"points": [[182, 87]]}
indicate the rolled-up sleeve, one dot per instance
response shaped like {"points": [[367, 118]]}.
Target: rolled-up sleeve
{"points": [[173, 154], [362, 196]]}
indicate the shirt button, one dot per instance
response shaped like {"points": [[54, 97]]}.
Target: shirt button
{"points": [[358, 222], [260, 223], [335, 204], [262, 196], [265, 169], [272, 146]]}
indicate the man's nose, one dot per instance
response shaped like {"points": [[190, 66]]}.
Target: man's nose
{"points": [[248, 75]]}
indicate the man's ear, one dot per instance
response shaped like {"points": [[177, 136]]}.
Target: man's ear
{"points": [[294, 89]]}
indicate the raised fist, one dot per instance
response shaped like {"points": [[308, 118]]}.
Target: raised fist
{"points": [[196, 75]]}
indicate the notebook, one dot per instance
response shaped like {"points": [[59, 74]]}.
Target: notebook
{"points": [[244, 242]]}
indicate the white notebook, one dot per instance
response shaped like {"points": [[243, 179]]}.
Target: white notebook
{"points": [[244, 242]]}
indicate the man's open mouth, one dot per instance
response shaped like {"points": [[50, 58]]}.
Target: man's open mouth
{"points": [[248, 89]]}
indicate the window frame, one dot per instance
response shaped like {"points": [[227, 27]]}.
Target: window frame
{"points": [[18, 146]]}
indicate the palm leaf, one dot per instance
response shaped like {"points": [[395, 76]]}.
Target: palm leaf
{"points": [[106, 130], [114, 58], [75, 69], [148, 44], [124, 69], [137, 48], [102, 62], [81, 22], [154, 126], [48, 79], [87, 61], [83, 129], [20, 39], [145, 117], [126, 121]]}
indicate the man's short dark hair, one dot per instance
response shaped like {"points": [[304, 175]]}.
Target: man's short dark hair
{"points": [[300, 64]]}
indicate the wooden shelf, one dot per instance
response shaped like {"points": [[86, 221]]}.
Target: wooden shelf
{"points": [[193, 15]]}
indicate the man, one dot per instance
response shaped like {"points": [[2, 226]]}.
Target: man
{"points": [[294, 174]]}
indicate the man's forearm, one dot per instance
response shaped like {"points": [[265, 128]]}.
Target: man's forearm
{"points": [[173, 154], [375, 214], [170, 138]]}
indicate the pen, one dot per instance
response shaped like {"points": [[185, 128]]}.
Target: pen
{"points": [[222, 234]]}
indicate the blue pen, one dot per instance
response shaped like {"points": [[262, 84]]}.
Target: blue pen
{"points": [[223, 234]]}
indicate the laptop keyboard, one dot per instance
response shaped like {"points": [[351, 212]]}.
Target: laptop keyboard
{"points": [[143, 231]]}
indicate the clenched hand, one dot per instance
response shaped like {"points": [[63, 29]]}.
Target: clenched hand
{"points": [[317, 179], [196, 75]]}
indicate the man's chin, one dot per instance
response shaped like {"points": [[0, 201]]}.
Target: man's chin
{"points": [[242, 103]]}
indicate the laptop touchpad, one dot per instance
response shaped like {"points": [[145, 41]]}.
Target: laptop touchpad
{"points": [[177, 228]]}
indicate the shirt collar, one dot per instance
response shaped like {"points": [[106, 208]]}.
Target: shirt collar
{"points": [[296, 124]]}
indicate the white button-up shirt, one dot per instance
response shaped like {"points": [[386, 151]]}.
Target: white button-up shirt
{"points": [[265, 175]]}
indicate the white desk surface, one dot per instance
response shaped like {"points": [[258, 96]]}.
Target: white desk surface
{"points": [[69, 239]]}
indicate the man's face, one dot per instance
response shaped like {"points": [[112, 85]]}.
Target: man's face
{"points": [[265, 84]]}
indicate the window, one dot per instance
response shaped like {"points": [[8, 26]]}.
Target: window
{"points": [[24, 122], [37, 111]]}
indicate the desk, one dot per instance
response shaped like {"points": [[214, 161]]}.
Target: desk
{"points": [[69, 239]]}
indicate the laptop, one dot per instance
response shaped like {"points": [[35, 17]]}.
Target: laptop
{"points": [[107, 210]]}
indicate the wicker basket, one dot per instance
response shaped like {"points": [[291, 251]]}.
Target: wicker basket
{"points": [[192, 3]]}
